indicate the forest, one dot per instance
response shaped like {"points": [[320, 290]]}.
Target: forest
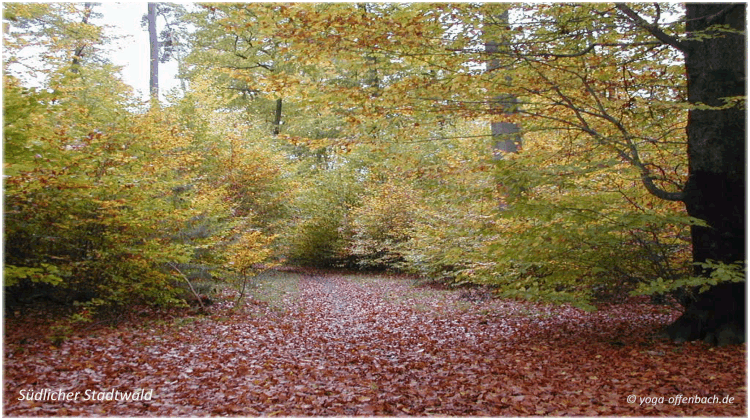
{"points": [[391, 209]]}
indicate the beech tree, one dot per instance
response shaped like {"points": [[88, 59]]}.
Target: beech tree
{"points": [[715, 60], [166, 44], [614, 74], [358, 134], [630, 80], [153, 42], [105, 206]]}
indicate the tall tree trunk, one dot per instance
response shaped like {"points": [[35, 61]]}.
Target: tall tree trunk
{"points": [[78, 52], [715, 191], [506, 135], [153, 40], [277, 118]]}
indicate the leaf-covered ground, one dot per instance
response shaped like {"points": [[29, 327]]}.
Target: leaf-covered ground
{"points": [[326, 344]]}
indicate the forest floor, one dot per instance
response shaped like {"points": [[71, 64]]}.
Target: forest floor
{"points": [[312, 343]]}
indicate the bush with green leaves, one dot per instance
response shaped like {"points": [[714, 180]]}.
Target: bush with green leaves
{"points": [[572, 229], [381, 224], [317, 233], [94, 199]]}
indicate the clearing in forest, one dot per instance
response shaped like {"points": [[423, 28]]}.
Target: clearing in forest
{"points": [[332, 344]]}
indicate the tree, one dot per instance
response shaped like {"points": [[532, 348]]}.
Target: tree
{"points": [[79, 50], [589, 69], [715, 192], [62, 30], [103, 203], [610, 74], [153, 42], [167, 44], [506, 134], [164, 45], [382, 161], [234, 47]]}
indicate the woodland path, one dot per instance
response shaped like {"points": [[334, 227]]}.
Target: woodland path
{"points": [[331, 344]]}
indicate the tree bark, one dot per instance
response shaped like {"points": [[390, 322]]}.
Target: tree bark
{"points": [[153, 39], [506, 135], [715, 191], [277, 118], [78, 52]]}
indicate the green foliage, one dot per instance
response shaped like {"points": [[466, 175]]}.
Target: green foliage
{"points": [[245, 254], [45, 274], [457, 203], [382, 157], [573, 228], [317, 234], [716, 272], [100, 200], [101, 207], [381, 223]]}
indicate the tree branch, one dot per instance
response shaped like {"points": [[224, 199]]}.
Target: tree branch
{"points": [[627, 150], [651, 187], [653, 29], [192, 289]]}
